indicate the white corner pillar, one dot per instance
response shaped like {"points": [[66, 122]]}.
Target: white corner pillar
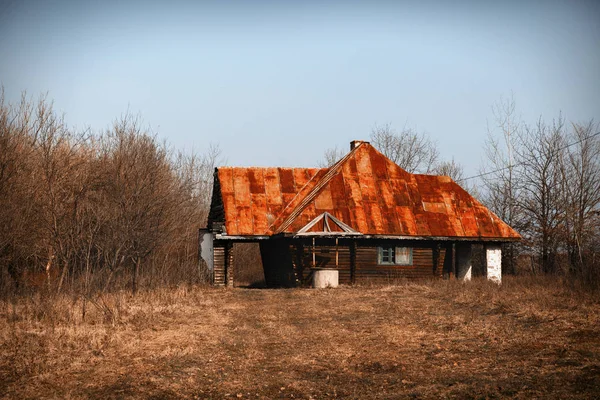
{"points": [[493, 258], [464, 267]]}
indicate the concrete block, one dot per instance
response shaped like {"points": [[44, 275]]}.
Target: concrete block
{"points": [[324, 278]]}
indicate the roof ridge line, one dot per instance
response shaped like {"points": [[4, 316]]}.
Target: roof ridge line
{"points": [[333, 170]]}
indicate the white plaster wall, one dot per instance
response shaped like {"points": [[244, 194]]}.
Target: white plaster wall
{"points": [[493, 255], [206, 249], [325, 278]]}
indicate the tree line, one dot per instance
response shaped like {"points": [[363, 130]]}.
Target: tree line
{"points": [[91, 211], [543, 179], [88, 211]]}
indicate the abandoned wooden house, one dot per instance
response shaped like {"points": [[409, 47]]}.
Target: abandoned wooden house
{"points": [[362, 219]]}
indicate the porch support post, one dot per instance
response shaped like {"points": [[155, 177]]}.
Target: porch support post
{"points": [[436, 258], [493, 258], [300, 262], [454, 260], [352, 246], [313, 253], [337, 252]]}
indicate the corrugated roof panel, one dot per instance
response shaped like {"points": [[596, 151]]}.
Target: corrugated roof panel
{"points": [[360, 219], [288, 197], [257, 180], [454, 214], [286, 179], [301, 176], [486, 226], [231, 213], [400, 191], [384, 193], [363, 161], [469, 223], [353, 192], [428, 187], [343, 214], [368, 187], [503, 229], [303, 219], [241, 187], [244, 223], [440, 224], [323, 201], [415, 201], [349, 167], [377, 218], [423, 228], [407, 221], [226, 180], [439, 208], [338, 192], [260, 213], [272, 188], [379, 166]]}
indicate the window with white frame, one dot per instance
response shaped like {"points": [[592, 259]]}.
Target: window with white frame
{"points": [[394, 255]]}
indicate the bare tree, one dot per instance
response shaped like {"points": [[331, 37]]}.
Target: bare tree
{"points": [[412, 151], [501, 172], [15, 148], [580, 167], [331, 156], [450, 168], [544, 180], [542, 188]]}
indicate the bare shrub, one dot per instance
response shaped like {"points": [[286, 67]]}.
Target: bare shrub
{"points": [[88, 212]]}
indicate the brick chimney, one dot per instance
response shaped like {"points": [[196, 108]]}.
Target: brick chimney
{"points": [[355, 143]]}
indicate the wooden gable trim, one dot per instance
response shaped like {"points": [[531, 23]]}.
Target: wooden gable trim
{"points": [[326, 217]]}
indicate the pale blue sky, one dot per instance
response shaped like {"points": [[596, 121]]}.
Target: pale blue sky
{"points": [[278, 82]]}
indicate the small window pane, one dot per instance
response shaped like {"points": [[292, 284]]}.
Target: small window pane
{"points": [[386, 255], [403, 256], [394, 255]]}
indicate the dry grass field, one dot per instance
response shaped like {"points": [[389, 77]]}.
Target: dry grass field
{"points": [[526, 339]]}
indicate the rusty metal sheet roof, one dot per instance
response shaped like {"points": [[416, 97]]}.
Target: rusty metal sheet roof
{"points": [[364, 190]]}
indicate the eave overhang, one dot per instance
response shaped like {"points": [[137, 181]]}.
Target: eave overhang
{"points": [[358, 236]]}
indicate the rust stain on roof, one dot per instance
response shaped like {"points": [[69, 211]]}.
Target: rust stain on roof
{"points": [[364, 190]]}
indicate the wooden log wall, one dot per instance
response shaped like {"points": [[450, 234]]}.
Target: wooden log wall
{"points": [[428, 261], [218, 274], [367, 269], [325, 257], [223, 264]]}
